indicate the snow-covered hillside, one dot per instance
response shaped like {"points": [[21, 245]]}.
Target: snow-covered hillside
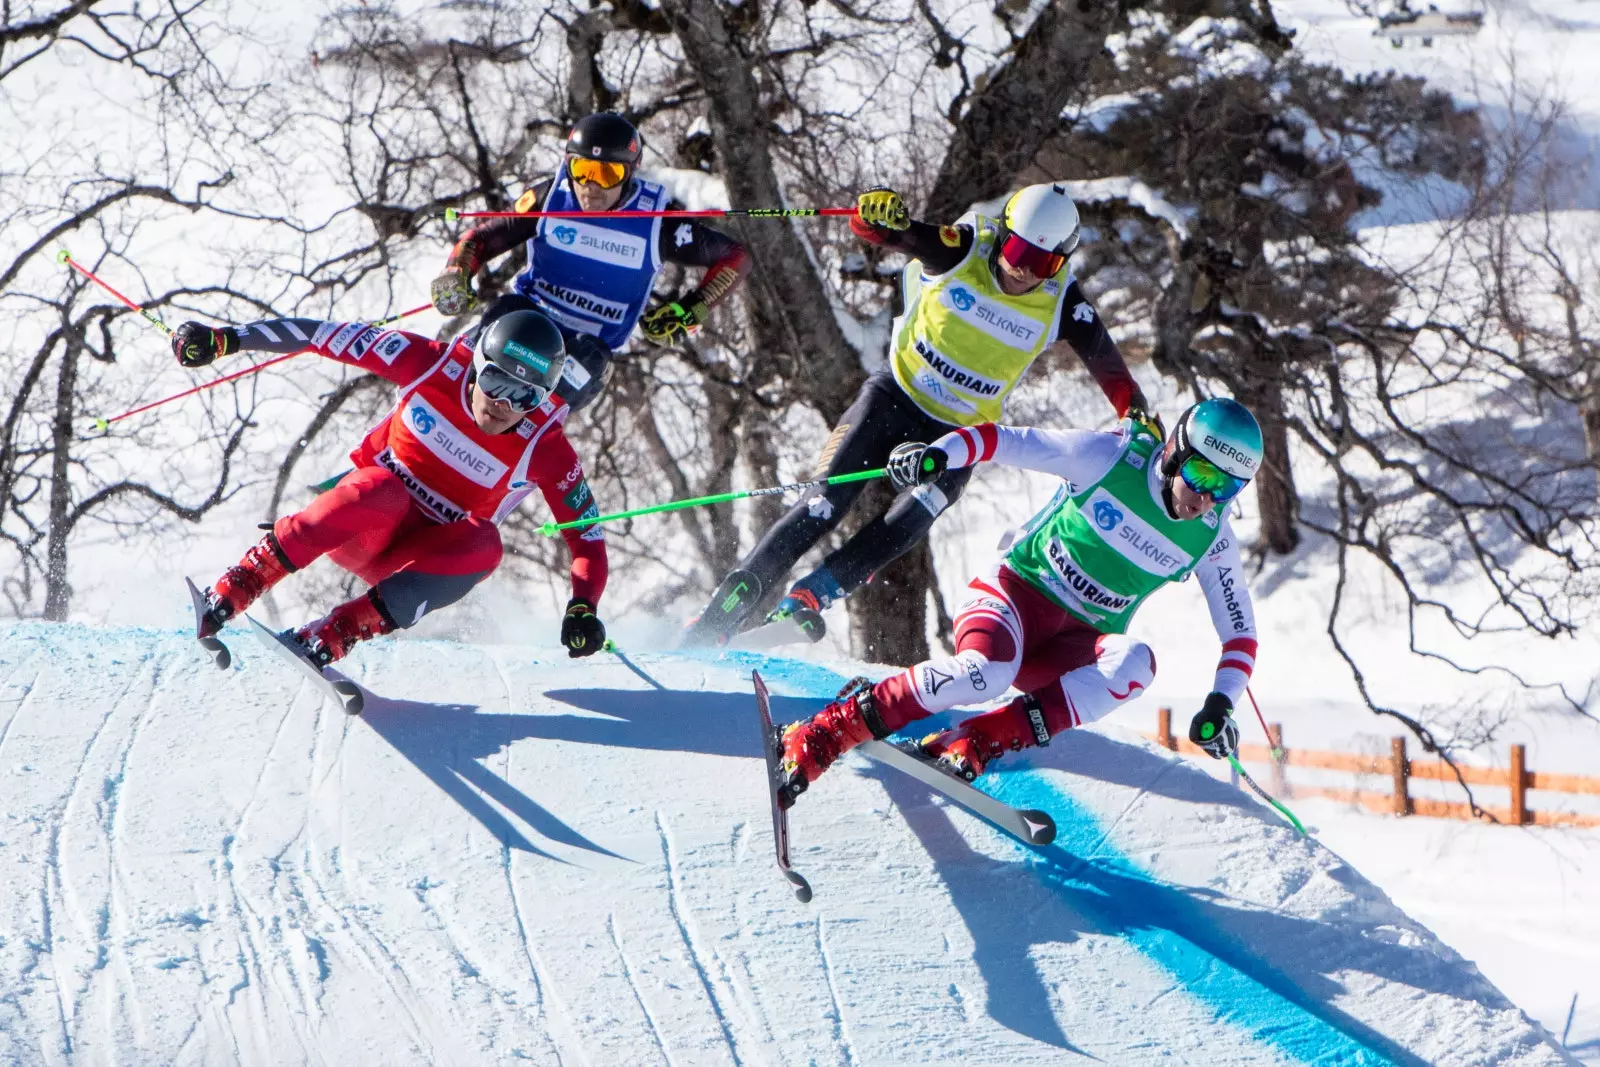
{"points": [[512, 857]]}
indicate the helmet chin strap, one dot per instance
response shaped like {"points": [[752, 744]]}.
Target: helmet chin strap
{"points": [[1166, 496], [1169, 471]]}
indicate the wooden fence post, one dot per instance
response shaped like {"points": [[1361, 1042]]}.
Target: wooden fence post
{"points": [[1519, 785], [1280, 784], [1401, 769], [1164, 729]]}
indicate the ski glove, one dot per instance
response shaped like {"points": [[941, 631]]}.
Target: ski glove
{"points": [[911, 465], [197, 345], [581, 629], [882, 206], [675, 321], [452, 293], [1213, 728], [1146, 420]]}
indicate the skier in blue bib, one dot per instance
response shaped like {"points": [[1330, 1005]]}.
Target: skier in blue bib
{"points": [[593, 276]]}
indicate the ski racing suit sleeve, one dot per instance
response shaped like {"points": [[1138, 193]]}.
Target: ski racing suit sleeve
{"points": [[941, 248], [1078, 457], [393, 355], [1221, 576], [498, 236], [558, 470], [689, 244]]}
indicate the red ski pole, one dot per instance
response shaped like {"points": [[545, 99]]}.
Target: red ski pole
{"points": [[63, 256], [103, 424], [451, 214]]}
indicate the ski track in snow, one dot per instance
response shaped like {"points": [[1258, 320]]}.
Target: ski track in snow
{"points": [[511, 859]]}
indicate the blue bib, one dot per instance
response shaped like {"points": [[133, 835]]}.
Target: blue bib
{"points": [[590, 275]]}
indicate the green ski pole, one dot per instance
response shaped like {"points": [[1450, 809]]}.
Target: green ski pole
{"points": [[550, 529], [1264, 795]]}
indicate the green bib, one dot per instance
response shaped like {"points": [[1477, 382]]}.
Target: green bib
{"points": [[963, 343], [1100, 552]]}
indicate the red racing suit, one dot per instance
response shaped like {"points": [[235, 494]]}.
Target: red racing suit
{"points": [[417, 517]]}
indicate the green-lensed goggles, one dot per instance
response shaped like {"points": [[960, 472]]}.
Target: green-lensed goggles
{"points": [[1204, 476]]}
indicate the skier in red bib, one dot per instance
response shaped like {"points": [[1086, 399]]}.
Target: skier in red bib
{"points": [[473, 431]]}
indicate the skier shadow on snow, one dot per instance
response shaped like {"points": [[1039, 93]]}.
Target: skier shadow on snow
{"points": [[1294, 958], [668, 720], [449, 742]]}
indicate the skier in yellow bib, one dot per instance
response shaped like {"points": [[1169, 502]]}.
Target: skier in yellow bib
{"points": [[984, 299]]}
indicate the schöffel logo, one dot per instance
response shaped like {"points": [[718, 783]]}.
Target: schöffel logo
{"points": [[962, 299], [422, 420], [565, 234], [1106, 516]]}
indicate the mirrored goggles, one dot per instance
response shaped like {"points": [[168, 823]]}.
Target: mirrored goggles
{"points": [[596, 172], [497, 384], [1205, 477], [1030, 257]]}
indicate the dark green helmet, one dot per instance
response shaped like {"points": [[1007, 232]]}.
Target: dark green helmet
{"points": [[518, 359]]}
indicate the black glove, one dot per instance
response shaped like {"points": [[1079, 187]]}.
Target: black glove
{"points": [[1213, 728], [196, 344], [1145, 419], [581, 629], [912, 464]]}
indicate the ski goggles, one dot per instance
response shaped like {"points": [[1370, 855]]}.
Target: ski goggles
{"points": [[1206, 478], [597, 172], [1022, 255], [497, 384]]}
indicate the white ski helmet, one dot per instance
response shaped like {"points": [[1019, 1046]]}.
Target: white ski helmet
{"points": [[1045, 217]]}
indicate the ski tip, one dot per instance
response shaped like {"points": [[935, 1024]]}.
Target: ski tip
{"points": [[219, 653], [351, 695], [802, 888], [1041, 827]]}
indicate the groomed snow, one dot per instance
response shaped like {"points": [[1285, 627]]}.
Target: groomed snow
{"points": [[517, 857]]}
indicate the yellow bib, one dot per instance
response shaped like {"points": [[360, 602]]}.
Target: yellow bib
{"points": [[963, 344]]}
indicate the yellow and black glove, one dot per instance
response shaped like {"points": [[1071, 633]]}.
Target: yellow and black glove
{"points": [[196, 345], [452, 293], [581, 629], [675, 321], [1146, 420], [883, 206]]}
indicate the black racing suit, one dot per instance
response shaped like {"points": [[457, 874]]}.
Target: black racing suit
{"points": [[881, 417]]}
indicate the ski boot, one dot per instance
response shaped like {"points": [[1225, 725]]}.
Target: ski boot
{"points": [[262, 567], [331, 637], [966, 750], [812, 745], [801, 608]]}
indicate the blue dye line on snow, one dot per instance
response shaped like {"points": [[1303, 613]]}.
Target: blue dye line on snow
{"points": [[1162, 921]]}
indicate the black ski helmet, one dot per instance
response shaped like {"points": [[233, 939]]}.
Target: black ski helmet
{"points": [[605, 136], [518, 358]]}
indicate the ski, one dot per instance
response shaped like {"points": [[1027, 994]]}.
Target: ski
{"points": [[1026, 824], [732, 601], [804, 625], [771, 751], [346, 693], [219, 651]]}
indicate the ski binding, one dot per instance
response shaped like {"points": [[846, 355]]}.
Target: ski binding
{"points": [[219, 651]]}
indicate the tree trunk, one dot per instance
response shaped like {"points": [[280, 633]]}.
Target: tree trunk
{"points": [[58, 593], [889, 615], [790, 310], [1275, 492], [1006, 123]]}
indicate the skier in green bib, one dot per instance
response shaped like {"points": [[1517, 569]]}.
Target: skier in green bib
{"points": [[1051, 617], [983, 299]]}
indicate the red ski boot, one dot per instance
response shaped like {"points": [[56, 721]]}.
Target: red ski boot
{"points": [[240, 586], [811, 746], [969, 748], [331, 637]]}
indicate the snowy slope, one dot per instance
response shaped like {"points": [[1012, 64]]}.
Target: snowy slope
{"points": [[517, 857]]}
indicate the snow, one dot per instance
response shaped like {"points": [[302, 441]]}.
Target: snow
{"points": [[515, 856]]}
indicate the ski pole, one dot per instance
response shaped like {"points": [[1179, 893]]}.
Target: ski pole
{"points": [[1277, 751], [549, 529], [1264, 795], [451, 214], [63, 256], [102, 424]]}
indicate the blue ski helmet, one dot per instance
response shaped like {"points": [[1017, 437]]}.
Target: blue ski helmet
{"points": [[1216, 449]]}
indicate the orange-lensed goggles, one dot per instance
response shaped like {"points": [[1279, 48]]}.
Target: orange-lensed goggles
{"points": [[596, 172], [1030, 257]]}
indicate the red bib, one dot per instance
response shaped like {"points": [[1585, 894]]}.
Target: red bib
{"points": [[452, 468]]}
